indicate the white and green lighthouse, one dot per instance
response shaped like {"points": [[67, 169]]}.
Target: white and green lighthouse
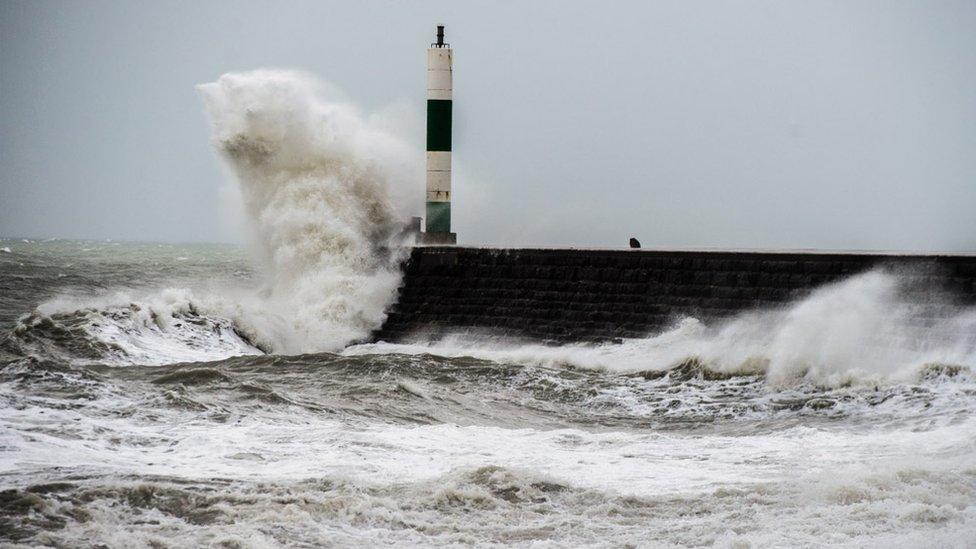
{"points": [[439, 97]]}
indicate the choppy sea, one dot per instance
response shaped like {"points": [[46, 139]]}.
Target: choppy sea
{"points": [[145, 403]]}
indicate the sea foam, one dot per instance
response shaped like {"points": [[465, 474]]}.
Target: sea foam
{"points": [[861, 330]]}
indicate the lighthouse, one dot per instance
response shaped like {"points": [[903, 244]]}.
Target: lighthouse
{"points": [[439, 97]]}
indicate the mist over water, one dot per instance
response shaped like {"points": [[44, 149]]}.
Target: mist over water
{"points": [[162, 395]]}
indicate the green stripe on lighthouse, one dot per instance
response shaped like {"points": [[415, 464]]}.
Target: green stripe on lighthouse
{"points": [[438, 124], [438, 217]]}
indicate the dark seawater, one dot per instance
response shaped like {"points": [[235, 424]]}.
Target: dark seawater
{"points": [[143, 403]]}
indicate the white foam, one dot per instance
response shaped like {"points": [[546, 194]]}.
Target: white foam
{"points": [[800, 484], [149, 328], [858, 331]]}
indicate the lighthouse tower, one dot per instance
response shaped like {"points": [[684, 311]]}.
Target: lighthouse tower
{"points": [[439, 67]]}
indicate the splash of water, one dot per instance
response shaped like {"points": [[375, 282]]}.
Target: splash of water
{"points": [[324, 193], [863, 330], [317, 182]]}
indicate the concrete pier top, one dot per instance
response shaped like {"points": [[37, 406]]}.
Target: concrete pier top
{"points": [[758, 251]]}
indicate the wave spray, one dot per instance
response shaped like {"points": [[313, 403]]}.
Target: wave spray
{"points": [[318, 183]]}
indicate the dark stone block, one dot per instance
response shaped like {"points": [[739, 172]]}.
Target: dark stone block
{"points": [[777, 266], [966, 269], [799, 280]]}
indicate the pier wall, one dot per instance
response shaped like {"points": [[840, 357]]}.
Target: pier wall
{"points": [[560, 295]]}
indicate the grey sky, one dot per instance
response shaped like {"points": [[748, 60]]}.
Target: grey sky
{"points": [[843, 125]]}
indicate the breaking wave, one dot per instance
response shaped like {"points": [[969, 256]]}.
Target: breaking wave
{"points": [[865, 330], [120, 329], [318, 184]]}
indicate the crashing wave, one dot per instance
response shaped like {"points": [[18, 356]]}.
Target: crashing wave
{"points": [[318, 183], [160, 329], [860, 331]]}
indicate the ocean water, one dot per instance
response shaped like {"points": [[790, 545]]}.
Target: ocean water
{"points": [[133, 412], [160, 395]]}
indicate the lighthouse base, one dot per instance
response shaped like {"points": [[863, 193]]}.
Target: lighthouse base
{"points": [[437, 239]]}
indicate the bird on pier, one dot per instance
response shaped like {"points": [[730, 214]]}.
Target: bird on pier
{"points": [[634, 243]]}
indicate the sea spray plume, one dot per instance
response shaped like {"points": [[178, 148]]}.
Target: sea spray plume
{"points": [[317, 182], [873, 328]]}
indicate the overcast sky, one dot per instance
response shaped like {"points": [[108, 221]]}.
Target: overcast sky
{"points": [[840, 125]]}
